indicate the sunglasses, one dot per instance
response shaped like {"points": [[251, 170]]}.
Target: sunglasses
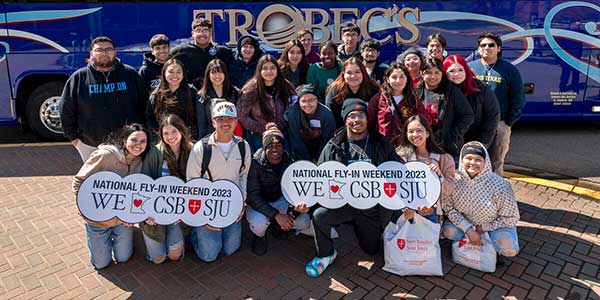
{"points": [[489, 45]]}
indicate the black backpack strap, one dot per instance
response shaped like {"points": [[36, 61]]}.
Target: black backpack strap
{"points": [[206, 155], [242, 148]]}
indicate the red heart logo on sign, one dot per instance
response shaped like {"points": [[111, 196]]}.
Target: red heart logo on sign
{"points": [[401, 244], [461, 243], [335, 188], [137, 202]]}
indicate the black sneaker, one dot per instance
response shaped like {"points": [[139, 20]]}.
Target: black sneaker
{"points": [[260, 245], [279, 233], [500, 260]]}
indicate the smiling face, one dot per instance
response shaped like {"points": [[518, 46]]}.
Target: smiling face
{"points": [[268, 72], [294, 56], [328, 58], [432, 77], [161, 52], [353, 76], [397, 81], [201, 35], [435, 49], [247, 52], [174, 75], [473, 164], [216, 77], [456, 73], [356, 123], [274, 152], [171, 136], [308, 103], [413, 63], [136, 143], [224, 126], [417, 134]]}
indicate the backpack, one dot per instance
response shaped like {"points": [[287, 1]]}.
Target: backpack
{"points": [[207, 153]]}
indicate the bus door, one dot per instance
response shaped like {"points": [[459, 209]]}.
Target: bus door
{"points": [[591, 108]]}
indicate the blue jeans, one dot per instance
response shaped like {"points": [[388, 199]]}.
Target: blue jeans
{"points": [[254, 140], [172, 246], [504, 239], [104, 242], [259, 222], [209, 243]]}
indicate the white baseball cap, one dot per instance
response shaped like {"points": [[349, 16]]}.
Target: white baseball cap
{"points": [[224, 109]]}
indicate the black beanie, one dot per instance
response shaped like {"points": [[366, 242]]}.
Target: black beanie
{"points": [[353, 104], [473, 149], [306, 89]]}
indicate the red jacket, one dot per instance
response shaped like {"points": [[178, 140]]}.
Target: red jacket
{"points": [[389, 121]]}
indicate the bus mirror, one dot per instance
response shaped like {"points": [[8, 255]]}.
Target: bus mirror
{"points": [[529, 87]]}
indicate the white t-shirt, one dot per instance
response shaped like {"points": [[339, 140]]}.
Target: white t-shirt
{"points": [[398, 99], [226, 148]]}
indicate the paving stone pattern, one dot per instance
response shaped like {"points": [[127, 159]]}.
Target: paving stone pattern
{"points": [[44, 253]]}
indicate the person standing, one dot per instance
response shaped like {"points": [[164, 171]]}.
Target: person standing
{"points": [[311, 125], [100, 98], [244, 62], [506, 82], [154, 60], [229, 157], [352, 143], [350, 38], [369, 51], [323, 73], [436, 46], [306, 37], [293, 63], [481, 98], [196, 54]]}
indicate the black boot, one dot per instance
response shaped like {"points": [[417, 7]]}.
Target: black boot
{"points": [[260, 245]]}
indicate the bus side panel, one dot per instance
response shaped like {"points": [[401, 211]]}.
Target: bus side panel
{"points": [[591, 108], [7, 104]]}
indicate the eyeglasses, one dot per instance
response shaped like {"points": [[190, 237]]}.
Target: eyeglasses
{"points": [[201, 30], [489, 45], [104, 50]]}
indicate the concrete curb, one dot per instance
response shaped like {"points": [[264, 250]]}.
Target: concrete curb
{"points": [[582, 191]]}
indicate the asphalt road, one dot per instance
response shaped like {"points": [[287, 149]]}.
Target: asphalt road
{"points": [[568, 150]]}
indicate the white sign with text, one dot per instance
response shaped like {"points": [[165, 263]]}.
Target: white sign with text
{"points": [[136, 197], [362, 185]]}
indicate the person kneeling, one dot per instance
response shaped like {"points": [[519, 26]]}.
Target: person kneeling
{"points": [[350, 144], [482, 202], [266, 202]]}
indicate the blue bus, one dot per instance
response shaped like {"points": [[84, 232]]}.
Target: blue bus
{"points": [[554, 44]]}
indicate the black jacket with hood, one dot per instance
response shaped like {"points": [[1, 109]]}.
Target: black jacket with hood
{"points": [[337, 149], [264, 184], [94, 104], [150, 71], [454, 116], [487, 115], [195, 59], [241, 71]]}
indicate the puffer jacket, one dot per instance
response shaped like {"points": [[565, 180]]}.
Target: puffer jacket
{"points": [[486, 199], [264, 184]]}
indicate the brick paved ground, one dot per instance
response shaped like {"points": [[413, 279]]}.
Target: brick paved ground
{"points": [[44, 254]]}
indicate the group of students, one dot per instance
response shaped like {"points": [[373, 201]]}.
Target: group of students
{"points": [[245, 116]]}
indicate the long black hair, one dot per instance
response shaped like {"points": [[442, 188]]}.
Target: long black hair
{"points": [[430, 143]]}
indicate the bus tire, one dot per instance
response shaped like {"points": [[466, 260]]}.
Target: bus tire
{"points": [[42, 111]]}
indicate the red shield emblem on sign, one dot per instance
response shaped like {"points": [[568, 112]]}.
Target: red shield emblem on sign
{"points": [[401, 244], [461, 243], [389, 188], [194, 205]]}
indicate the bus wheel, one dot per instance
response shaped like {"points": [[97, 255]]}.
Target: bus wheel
{"points": [[42, 112]]}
